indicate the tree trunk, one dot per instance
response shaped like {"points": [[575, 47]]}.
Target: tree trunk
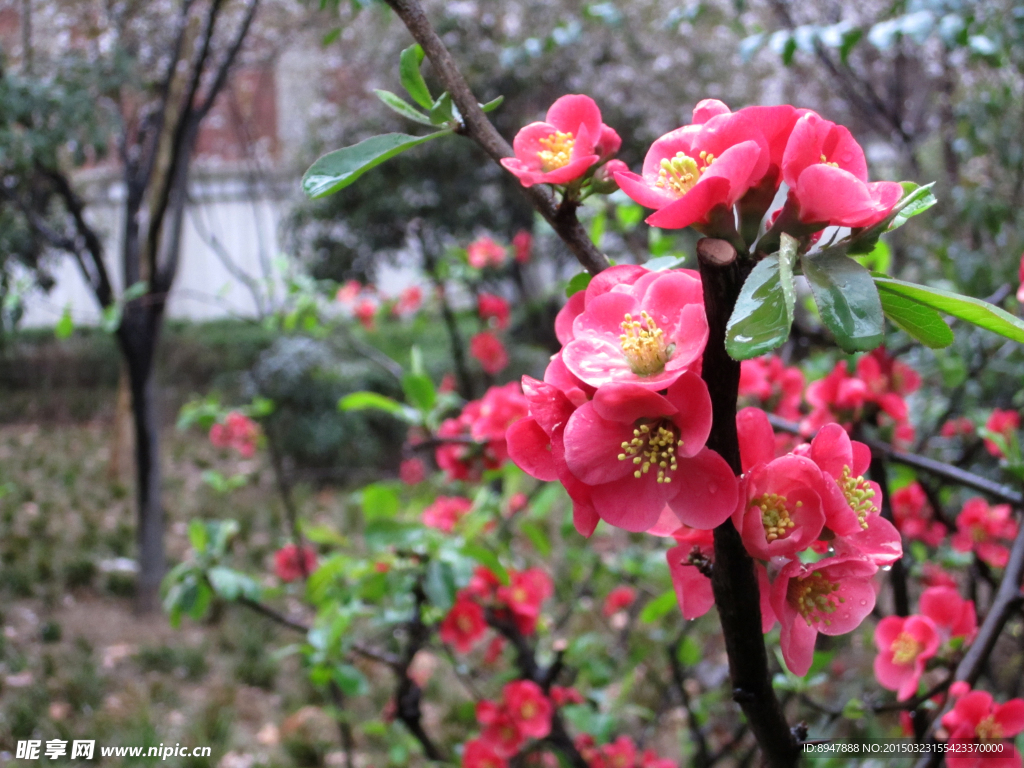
{"points": [[139, 333]]}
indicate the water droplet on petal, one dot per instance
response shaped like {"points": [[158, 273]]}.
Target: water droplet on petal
{"points": [[712, 488], [863, 602]]}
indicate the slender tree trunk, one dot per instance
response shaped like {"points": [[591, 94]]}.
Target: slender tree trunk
{"points": [[139, 334]]}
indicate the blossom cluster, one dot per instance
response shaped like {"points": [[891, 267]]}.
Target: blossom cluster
{"points": [[524, 712], [238, 432], [621, 753], [977, 719], [519, 602], [482, 425], [364, 302]]}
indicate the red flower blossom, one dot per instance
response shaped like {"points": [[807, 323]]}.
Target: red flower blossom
{"points": [[290, 564], [827, 175], [238, 431], [528, 707], [904, 646], [486, 421], [409, 302], [487, 349], [526, 592], [522, 246], [412, 471], [777, 388], [484, 252], [958, 426], [464, 626], [831, 596], [838, 397], [501, 732], [1003, 424], [493, 307], [693, 588], [638, 451], [445, 512], [647, 332], [914, 517], [932, 575], [976, 718], [562, 696], [365, 312], [480, 754], [563, 147], [348, 293], [979, 528], [618, 599], [494, 649], [621, 753], [692, 170], [953, 615], [517, 503], [887, 381]]}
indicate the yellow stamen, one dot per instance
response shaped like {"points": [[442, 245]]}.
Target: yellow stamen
{"points": [[643, 344], [774, 516], [905, 649], [824, 161], [989, 730], [859, 495], [652, 448], [681, 173], [557, 151], [813, 597]]}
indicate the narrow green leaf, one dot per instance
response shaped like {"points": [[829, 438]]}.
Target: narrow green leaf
{"points": [[763, 314], [486, 558], [659, 607], [971, 310], [412, 78], [380, 502], [65, 326], [915, 200], [578, 283], [537, 537], [923, 323], [336, 170], [419, 391], [444, 111], [493, 104], [440, 584], [847, 300], [402, 107], [197, 535], [361, 401]]}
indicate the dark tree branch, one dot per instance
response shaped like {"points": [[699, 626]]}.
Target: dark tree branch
{"points": [[478, 128], [703, 758]]}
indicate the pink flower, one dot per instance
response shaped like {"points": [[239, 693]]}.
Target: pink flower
{"points": [[290, 564], [238, 432], [562, 696], [529, 708], [693, 588], [827, 175], [776, 387], [365, 312], [412, 471], [348, 293], [1004, 424], [838, 397], [486, 421], [887, 381], [692, 170], [517, 502], [494, 649], [488, 350], [932, 575], [409, 302], [464, 626], [904, 646], [563, 147], [831, 596], [979, 528], [501, 732], [526, 592], [522, 246], [637, 451], [914, 517], [976, 718], [647, 332], [484, 252], [958, 426], [493, 307], [445, 512], [618, 599], [480, 754], [783, 509], [953, 615]]}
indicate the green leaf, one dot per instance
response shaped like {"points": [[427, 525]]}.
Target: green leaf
{"points": [[854, 709], [578, 283], [878, 260], [847, 300], [231, 584], [444, 111], [493, 104], [362, 401], [197, 535], [763, 314], [486, 558], [412, 79], [537, 537], [379, 502], [336, 170], [439, 584], [65, 326], [663, 263], [597, 228], [135, 291], [688, 652], [350, 680], [971, 310], [401, 106], [923, 323], [659, 607], [419, 391], [915, 200]]}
